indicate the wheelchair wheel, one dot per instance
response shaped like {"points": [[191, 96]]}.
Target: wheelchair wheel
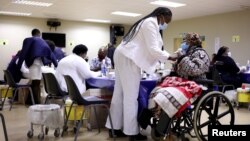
{"points": [[209, 112]]}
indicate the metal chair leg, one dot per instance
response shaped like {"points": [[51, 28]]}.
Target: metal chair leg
{"points": [[67, 118], [13, 98], [4, 127], [97, 121], [32, 96], [111, 123], [79, 124], [46, 99]]}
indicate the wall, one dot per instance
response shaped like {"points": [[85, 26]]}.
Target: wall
{"points": [[15, 29], [223, 26]]}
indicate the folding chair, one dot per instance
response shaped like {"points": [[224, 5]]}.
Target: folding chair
{"points": [[52, 88], [15, 86], [87, 101]]}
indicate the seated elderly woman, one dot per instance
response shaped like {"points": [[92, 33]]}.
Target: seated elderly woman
{"points": [[173, 94], [227, 67], [194, 64]]}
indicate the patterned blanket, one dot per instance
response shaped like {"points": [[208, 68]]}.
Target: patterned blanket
{"points": [[173, 96]]}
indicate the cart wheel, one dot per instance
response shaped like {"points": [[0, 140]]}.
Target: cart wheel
{"points": [[89, 128], [30, 134], [41, 136], [46, 130], [57, 132]]}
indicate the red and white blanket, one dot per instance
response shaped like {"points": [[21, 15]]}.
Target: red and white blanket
{"points": [[173, 95]]}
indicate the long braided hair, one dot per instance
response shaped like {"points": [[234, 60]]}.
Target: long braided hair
{"points": [[157, 12]]}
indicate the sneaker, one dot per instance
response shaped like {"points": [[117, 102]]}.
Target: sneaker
{"points": [[118, 133], [138, 137]]}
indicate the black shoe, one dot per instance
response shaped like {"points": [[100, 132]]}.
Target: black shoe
{"points": [[138, 137], [118, 133]]}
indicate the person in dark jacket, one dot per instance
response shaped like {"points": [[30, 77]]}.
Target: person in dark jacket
{"points": [[34, 52], [227, 67], [110, 54], [59, 53]]}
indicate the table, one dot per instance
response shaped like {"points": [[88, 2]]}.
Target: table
{"points": [[245, 77], [146, 86]]}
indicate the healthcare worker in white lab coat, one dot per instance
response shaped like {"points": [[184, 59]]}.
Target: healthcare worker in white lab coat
{"points": [[75, 66], [140, 49]]}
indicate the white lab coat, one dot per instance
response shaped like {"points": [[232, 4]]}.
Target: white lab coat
{"points": [[77, 68], [143, 52], [145, 49]]}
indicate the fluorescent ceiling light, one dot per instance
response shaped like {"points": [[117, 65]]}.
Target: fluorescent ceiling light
{"points": [[34, 3], [14, 13], [167, 3], [125, 14], [97, 20]]}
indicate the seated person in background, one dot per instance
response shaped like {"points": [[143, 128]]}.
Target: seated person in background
{"points": [[12, 68], [227, 67], [194, 64], [52, 46], [59, 53], [96, 63], [75, 66], [110, 53]]}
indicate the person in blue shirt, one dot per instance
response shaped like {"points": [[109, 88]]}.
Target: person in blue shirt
{"points": [[59, 54], [95, 64]]}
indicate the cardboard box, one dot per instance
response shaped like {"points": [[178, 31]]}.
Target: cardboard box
{"points": [[243, 97], [3, 90], [101, 111], [76, 112]]}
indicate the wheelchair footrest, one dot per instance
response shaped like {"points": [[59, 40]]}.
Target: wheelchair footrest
{"points": [[164, 124]]}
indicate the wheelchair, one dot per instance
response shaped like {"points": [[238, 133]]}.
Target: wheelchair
{"points": [[204, 111]]}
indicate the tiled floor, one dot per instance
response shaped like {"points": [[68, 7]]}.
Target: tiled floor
{"points": [[18, 126]]}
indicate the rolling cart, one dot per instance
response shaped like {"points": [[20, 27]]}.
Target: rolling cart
{"points": [[48, 116]]}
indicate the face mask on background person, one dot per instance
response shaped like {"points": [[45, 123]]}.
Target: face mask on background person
{"points": [[163, 26], [229, 54], [184, 46]]}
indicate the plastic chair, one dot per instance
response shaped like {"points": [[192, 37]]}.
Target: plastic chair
{"points": [[52, 88], [87, 101], [4, 127], [15, 86]]}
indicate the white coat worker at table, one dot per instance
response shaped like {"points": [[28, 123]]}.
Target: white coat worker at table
{"points": [[140, 49], [75, 66]]}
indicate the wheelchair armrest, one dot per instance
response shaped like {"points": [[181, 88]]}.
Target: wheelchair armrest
{"points": [[205, 81]]}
